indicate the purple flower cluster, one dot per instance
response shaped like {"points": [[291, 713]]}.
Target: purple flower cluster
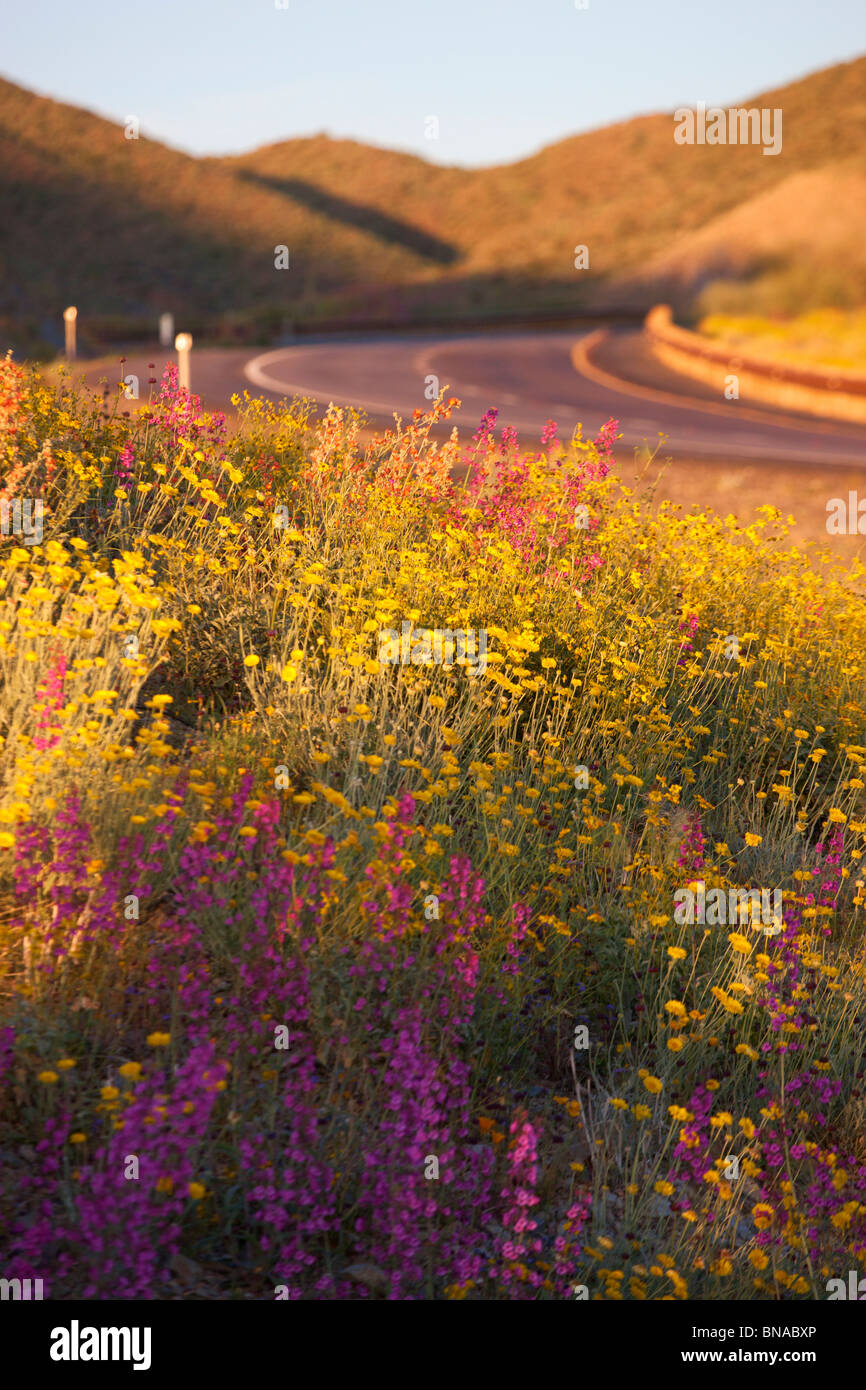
{"points": [[333, 1078]]}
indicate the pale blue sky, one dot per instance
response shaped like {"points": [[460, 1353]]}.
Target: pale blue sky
{"points": [[504, 77]]}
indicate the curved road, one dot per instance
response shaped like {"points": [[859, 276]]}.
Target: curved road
{"points": [[532, 378], [569, 376]]}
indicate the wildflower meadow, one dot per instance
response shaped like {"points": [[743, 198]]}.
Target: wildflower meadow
{"points": [[429, 869]]}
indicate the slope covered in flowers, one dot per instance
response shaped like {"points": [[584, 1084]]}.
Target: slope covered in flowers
{"points": [[325, 975]]}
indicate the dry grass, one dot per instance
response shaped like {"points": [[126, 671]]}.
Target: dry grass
{"points": [[823, 337]]}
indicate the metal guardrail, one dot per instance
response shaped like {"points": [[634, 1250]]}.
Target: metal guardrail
{"points": [[661, 329]]}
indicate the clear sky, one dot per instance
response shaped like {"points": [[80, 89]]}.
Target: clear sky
{"points": [[503, 77]]}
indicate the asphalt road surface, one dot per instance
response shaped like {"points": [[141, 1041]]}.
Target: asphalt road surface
{"points": [[530, 378]]}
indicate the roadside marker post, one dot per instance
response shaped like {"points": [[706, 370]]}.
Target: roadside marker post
{"points": [[183, 345], [166, 330], [69, 318]]}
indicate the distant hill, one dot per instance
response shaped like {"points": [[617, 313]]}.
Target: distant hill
{"points": [[127, 228]]}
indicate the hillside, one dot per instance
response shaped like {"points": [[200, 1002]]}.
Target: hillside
{"points": [[627, 191], [125, 228]]}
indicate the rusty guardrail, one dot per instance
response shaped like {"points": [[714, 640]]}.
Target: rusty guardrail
{"points": [[834, 393]]}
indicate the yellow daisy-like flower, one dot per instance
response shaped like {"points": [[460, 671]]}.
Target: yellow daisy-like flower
{"points": [[158, 1039], [131, 1070], [67, 1063], [48, 1078], [197, 1191], [731, 1006], [752, 839], [741, 944], [679, 1112], [78, 1137], [652, 1084], [252, 659], [676, 953]]}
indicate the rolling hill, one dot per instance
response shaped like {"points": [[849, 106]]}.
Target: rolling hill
{"points": [[127, 228]]}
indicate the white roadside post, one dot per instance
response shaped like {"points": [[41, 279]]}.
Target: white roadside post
{"points": [[182, 344], [69, 317], [166, 330]]}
